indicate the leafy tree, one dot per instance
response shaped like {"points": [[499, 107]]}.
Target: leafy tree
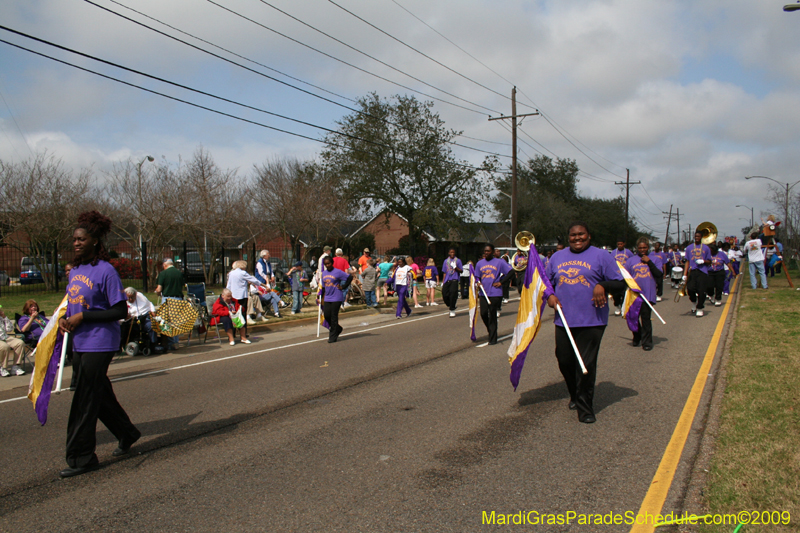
{"points": [[396, 154]]}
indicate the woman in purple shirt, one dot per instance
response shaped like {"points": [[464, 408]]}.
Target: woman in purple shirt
{"points": [[334, 282], [581, 276], [96, 303], [491, 272], [646, 272]]}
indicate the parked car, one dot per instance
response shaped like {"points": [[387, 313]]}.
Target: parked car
{"points": [[34, 275], [194, 266]]}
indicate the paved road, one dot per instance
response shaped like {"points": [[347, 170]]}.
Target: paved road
{"points": [[404, 425]]}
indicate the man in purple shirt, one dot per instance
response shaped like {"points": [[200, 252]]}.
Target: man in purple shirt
{"points": [[646, 272], [334, 283], [621, 254], [663, 258], [716, 274], [695, 273], [491, 272], [451, 271]]}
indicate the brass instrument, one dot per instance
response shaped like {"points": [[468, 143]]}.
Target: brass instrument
{"points": [[680, 292], [523, 241], [709, 232]]}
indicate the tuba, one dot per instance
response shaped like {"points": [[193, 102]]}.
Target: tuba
{"points": [[523, 241], [709, 232]]}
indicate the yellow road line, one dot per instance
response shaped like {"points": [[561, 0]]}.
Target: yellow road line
{"points": [[659, 487]]}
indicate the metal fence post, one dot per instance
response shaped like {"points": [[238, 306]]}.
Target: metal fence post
{"points": [[144, 266], [186, 263]]}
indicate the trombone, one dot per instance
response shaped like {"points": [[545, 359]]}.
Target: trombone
{"points": [[523, 241]]}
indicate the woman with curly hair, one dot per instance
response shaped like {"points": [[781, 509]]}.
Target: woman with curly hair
{"points": [[96, 303]]}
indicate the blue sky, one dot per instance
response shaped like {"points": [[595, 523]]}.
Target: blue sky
{"points": [[691, 96]]}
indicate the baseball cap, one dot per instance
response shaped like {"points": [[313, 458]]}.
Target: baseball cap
{"points": [[366, 250]]}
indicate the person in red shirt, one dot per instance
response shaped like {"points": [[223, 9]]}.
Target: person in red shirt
{"points": [[363, 261], [340, 262], [221, 313]]}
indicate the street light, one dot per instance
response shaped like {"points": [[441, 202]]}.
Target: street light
{"points": [[786, 199], [149, 158], [752, 221]]}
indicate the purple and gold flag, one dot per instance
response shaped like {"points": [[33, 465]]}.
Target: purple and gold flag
{"points": [[47, 357], [321, 298], [536, 289], [632, 305], [473, 302]]}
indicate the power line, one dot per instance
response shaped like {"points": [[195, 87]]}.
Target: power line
{"points": [[365, 54], [423, 54], [199, 106], [576, 147], [11, 114], [231, 52]]}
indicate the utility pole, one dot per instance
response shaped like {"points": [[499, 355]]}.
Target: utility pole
{"points": [[679, 226], [514, 118], [669, 219], [627, 184]]}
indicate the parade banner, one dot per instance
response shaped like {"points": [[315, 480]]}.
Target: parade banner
{"points": [[632, 305]]}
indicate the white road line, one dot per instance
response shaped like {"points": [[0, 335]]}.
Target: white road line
{"points": [[227, 358]]}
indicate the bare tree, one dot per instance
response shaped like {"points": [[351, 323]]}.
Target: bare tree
{"points": [[298, 200], [40, 198]]}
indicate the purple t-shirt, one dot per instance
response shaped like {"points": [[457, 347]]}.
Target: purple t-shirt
{"points": [[640, 272], [332, 281], [719, 261], [695, 252], [449, 270], [656, 258], [621, 256], [36, 329], [490, 272], [94, 288], [431, 273], [674, 258], [574, 276]]}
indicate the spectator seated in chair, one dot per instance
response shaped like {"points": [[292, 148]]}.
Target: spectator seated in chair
{"points": [[31, 323], [139, 307], [221, 312], [9, 346]]}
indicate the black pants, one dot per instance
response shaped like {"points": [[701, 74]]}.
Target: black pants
{"points": [[696, 287], [660, 287], [450, 293], [489, 315], [94, 399], [506, 288], [645, 333], [331, 312], [619, 298], [243, 303], [464, 286], [580, 386], [716, 282]]}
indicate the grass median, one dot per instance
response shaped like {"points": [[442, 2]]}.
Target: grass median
{"points": [[756, 462]]}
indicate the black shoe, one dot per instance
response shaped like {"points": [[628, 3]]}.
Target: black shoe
{"points": [[332, 340], [589, 419], [572, 405], [492, 343], [125, 445], [636, 343], [78, 470], [647, 348], [341, 329]]}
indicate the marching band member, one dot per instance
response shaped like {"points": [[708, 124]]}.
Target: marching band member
{"points": [[716, 274], [492, 272], [695, 273], [675, 261], [581, 275], [646, 271], [334, 283], [662, 259], [451, 271], [621, 255]]}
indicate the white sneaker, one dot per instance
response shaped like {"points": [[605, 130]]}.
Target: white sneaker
{"points": [[498, 314], [618, 311], [250, 321], [434, 303], [346, 304], [245, 341], [505, 300], [294, 312], [452, 314], [417, 305], [232, 343], [4, 373], [658, 298], [277, 315], [426, 303], [717, 303], [699, 313], [694, 310], [17, 371], [725, 294]]}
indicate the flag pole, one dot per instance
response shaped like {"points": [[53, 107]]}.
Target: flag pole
{"points": [[319, 314], [484, 293], [571, 340], [654, 309], [61, 364]]}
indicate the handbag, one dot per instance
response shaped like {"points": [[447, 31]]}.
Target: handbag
{"points": [[237, 319]]}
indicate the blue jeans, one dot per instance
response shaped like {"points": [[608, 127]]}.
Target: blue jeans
{"points": [[369, 297], [270, 298], [297, 301], [171, 341], [757, 266]]}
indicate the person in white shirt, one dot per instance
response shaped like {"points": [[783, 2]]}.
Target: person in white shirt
{"points": [[140, 307], [755, 258], [403, 275], [9, 346]]}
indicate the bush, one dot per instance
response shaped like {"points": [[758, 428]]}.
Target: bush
{"points": [[127, 268]]}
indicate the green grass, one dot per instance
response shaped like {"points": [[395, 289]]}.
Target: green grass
{"points": [[756, 463]]}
